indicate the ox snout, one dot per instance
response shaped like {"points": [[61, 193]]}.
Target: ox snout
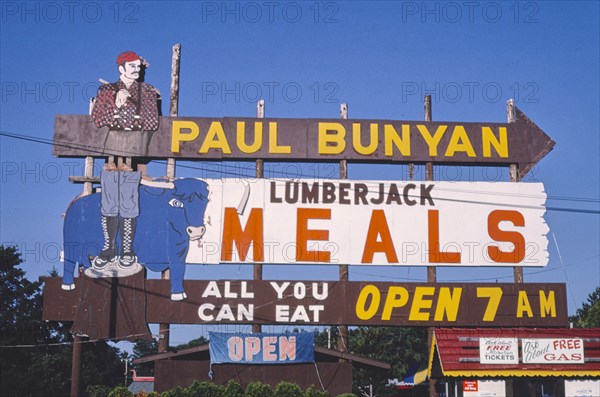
{"points": [[195, 233]]}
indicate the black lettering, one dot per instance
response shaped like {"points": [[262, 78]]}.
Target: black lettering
{"points": [[310, 195], [407, 199], [344, 187], [360, 192], [291, 196], [379, 199], [274, 198], [328, 193], [393, 194], [426, 194]]}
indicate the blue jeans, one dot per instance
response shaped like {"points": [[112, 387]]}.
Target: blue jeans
{"points": [[120, 193]]}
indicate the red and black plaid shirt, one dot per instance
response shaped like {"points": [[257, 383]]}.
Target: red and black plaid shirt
{"points": [[105, 110]]}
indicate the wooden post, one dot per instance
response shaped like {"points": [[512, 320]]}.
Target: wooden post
{"points": [[431, 270], [343, 337], [164, 328], [76, 365], [513, 170], [78, 340], [428, 117], [174, 99], [260, 173], [88, 172]]}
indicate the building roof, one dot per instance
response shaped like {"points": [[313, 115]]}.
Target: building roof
{"points": [[455, 353], [138, 386], [321, 354]]}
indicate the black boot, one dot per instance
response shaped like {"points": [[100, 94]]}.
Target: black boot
{"points": [[110, 224], [128, 257]]}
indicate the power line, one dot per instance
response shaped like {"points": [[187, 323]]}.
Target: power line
{"points": [[100, 151]]}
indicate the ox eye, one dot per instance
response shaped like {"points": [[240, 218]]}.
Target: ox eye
{"points": [[175, 203]]}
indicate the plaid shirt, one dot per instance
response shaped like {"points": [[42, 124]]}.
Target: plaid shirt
{"points": [[106, 113]]}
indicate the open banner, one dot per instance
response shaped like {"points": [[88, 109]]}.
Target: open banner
{"points": [[261, 348]]}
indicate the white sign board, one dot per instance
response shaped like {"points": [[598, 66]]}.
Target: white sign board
{"points": [[553, 351], [498, 350], [373, 223], [484, 388], [582, 388]]}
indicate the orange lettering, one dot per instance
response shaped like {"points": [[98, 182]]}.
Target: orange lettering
{"points": [[494, 219], [253, 233], [379, 227], [303, 234], [435, 255]]}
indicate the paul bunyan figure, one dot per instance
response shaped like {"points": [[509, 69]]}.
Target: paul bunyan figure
{"points": [[129, 108]]}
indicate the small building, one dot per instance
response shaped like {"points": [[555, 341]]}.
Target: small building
{"points": [[141, 384], [331, 371], [517, 362]]}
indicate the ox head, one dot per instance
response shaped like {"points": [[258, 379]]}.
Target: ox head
{"points": [[184, 201], [188, 205]]}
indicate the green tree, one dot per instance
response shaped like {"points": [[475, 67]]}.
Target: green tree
{"points": [[28, 366], [176, 392], [97, 391], [143, 348], [259, 389], [205, 389], [286, 389], [401, 347], [325, 339], [233, 389], [588, 315], [312, 391], [35, 356], [193, 343], [120, 391]]}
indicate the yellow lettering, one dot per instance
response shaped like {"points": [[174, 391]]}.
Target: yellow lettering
{"points": [[499, 143], [393, 139], [432, 141], [274, 147], [362, 312], [523, 305], [373, 139], [419, 303], [215, 139], [241, 137], [448, 303], [495, 295], [396, 297], [177, 136], [547, 304], [331, 143], [459, 142]]}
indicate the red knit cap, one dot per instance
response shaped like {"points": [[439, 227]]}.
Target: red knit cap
{"points": [[127, 56]]}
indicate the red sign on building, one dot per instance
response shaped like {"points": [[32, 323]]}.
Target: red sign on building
{"points": [[470, 385]]}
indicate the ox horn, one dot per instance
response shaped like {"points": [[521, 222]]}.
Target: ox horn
{"points": [[242, 205], [164, 185]]}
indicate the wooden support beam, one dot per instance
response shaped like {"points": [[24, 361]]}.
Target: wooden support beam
{"points": [[343, 337], [513, 170], [164, 329], [76, 365], [431, 270], [260, 173]]}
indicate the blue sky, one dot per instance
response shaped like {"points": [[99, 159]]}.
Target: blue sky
{"points": [[305, 59]]}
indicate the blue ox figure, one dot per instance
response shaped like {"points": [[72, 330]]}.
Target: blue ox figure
{"points": [[171, 217]]}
